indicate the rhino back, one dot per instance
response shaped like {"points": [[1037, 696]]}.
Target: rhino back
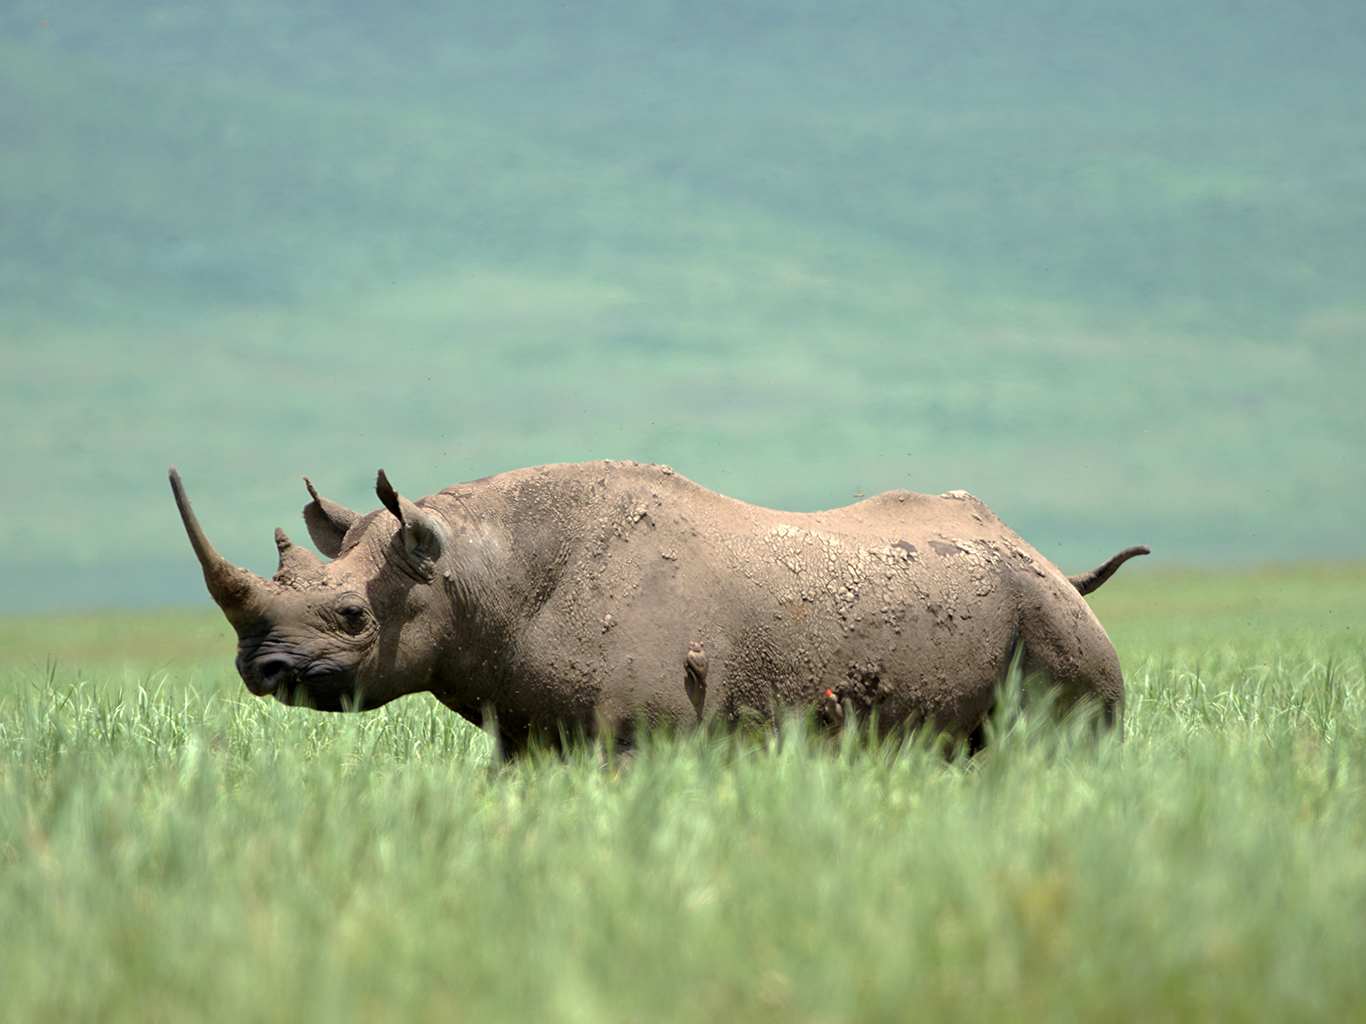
{"points": [[887, 602]]}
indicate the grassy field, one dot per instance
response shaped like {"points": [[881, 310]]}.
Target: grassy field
{"points": [[173, 849]]}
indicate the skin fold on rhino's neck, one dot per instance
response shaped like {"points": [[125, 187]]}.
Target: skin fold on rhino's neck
{"points": [[496, 578], [499, 561], [493, 585]]}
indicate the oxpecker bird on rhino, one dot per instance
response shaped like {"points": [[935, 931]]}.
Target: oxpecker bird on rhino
{"points": [[586, 600]]}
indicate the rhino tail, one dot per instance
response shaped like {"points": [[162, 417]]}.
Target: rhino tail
{"points": [[1088, 581]]}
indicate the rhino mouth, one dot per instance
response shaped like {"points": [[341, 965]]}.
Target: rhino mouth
{"points": [[330, 698], [297, 681]]}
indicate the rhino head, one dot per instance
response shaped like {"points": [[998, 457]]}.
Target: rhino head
{"points": [[350, 633]]}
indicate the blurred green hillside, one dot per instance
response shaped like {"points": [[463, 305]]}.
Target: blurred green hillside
{"points": [[1101, 266]]}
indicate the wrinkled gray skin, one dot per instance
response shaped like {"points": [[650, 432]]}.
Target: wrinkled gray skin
{"points": [[580, 600]]}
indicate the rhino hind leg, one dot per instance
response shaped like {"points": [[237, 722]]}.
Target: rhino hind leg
{"points": [[1070, 649]]}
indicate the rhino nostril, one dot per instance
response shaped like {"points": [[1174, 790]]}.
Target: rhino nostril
{"points": [[273, 674]]}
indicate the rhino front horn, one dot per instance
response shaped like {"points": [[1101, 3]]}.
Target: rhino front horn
{"points": [[238, 592]]}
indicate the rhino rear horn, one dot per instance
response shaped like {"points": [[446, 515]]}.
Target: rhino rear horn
{"points": [[241, 594], [327, 522], [296, 564], [424, 535]]}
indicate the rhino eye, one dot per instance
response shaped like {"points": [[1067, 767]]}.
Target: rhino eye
{"points": [[354, 617]]}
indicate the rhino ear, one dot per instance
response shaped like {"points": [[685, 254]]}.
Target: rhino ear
{"points": [[327, 522], [424, 535]]}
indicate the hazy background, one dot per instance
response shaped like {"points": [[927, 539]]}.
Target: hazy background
{"points": [[1099, 263]]}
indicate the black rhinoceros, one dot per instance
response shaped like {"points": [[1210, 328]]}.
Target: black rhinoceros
{"points": [[581, 600]]}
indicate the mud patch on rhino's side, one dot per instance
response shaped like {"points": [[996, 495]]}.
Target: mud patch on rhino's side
{"points": [[941, 615]]}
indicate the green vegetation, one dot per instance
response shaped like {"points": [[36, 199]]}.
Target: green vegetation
{"points": [[1100, 267], [172, 849]]}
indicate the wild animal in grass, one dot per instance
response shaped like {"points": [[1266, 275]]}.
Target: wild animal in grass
{"points": [[584, 600]]}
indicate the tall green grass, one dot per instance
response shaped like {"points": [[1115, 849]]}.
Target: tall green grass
{"points": [[172, 849]]}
